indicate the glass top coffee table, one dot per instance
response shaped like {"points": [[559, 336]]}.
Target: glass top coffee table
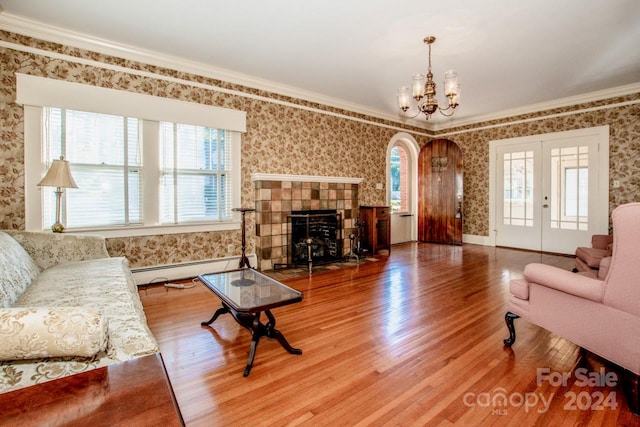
{"points": [[246, 294]]}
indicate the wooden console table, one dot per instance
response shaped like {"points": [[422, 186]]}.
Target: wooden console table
{"points": [[375, 229], [135, 392]]}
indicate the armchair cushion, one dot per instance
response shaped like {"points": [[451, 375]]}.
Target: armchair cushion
{"points": [[591, 256], [37, 332], [565, 281]]}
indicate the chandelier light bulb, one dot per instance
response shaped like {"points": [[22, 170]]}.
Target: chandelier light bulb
{"points": [[417, 86], [450, 83], [404, 98]]}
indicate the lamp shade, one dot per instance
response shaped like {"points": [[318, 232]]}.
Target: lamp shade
{"points": [[58, 175]]}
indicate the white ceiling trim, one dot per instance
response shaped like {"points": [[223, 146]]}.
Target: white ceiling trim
{"points": [[66, 37]]}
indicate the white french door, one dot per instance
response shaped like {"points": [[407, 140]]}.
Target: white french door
{"points": [[551, 191]]}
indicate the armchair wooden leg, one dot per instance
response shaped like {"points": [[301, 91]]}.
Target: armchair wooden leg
{"points": [[631, 390], [509, 318]]}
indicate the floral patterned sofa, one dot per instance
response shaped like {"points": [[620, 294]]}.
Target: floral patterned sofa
{"points": [[65, 307]]}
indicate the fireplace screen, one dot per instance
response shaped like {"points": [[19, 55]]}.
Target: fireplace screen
{"points": [[318, 230]]}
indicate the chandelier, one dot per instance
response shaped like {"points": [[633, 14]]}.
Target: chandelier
{"points": [[424, 92]]}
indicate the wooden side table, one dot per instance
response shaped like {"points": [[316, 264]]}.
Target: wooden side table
{"points": [[135, 392], [375, 228]]}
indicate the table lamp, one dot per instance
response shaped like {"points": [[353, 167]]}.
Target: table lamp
{"points": [[58, 176]]}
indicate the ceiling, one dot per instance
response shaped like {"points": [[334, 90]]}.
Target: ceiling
{"points": [[509, 55]]}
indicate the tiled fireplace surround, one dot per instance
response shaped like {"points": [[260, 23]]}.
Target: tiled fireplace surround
{"points": [[276, 196]]}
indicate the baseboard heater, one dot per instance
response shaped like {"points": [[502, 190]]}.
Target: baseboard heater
{"points": [[186, 270]]}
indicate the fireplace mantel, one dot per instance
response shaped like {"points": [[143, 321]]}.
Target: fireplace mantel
{"points": [[304, 178]]}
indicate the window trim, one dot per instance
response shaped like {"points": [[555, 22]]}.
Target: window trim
{"points": [[34, 169], [45, 92]]}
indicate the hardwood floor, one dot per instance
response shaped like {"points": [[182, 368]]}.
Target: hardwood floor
{"points": [[412, 339]]}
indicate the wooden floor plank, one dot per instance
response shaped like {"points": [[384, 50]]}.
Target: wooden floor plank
{"points": [[410, 339]]}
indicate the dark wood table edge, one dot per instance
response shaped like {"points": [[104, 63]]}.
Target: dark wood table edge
{"points": [[135, 391], [167, 380]]}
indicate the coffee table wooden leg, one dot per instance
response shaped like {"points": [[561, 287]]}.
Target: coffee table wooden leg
{"points": [[252, 353], [221, 310], [257, 330], [283, 342], [272, 332]]}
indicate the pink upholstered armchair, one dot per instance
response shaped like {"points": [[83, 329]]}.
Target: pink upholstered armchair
{"points": [[601, 316], [588, 259]]}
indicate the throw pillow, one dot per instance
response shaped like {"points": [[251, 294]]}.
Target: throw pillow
{"points": [[40, 332]]}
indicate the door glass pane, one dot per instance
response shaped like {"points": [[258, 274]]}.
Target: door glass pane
{"points": [[569, 198], [518, 188]]}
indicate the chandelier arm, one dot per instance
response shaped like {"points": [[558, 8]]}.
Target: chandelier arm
{"points": [[442, 111], [404, 113]]}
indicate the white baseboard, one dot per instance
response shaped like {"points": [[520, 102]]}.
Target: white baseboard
{"points": [[476, 240], [186, 270]]}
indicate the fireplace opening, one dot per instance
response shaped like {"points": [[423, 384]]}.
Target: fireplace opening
{"points": [[316, 237]]}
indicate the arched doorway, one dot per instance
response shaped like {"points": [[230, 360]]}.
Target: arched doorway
{"points": [[402, 185], [440, 192]]}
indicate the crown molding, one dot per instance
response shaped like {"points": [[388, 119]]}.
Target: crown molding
{"points": [[65, 37]]}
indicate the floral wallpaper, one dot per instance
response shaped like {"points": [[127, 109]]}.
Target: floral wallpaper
{"points": [[284, 139]]}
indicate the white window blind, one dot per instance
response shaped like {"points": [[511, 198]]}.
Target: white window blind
{"points": [[104, 155], [196, 180]]}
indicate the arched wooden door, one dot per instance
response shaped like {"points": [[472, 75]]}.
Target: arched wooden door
{"points": [[440, 193]]}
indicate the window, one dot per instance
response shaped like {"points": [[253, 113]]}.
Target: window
{"points": [[105, 156], [399, 179], [144, 165], [195, 179], [106, 162]]}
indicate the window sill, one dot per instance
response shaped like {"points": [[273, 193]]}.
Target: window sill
{"points": [[134, 231]]}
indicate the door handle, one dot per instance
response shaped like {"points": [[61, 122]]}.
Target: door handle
{"points": [[403, 215], [545, 206]]}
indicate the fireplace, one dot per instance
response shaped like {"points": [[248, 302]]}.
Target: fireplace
{"points": [[278, 197], [316, 237]]}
